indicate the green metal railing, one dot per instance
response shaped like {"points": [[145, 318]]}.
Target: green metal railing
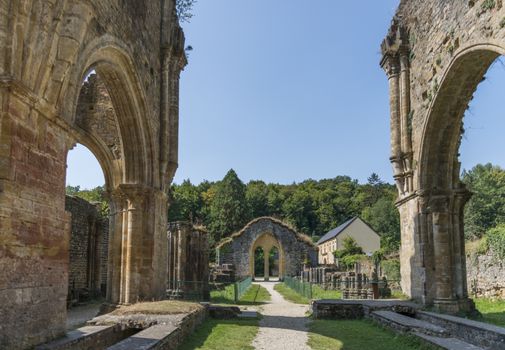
{"points": [[188, 290], [241, 287], [302, 288]]}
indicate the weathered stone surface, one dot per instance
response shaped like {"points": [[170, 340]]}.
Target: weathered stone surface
{"points": [[88, 251], [294, 249], [47, 48], [188, 262], [486, 276], [435, 55]]}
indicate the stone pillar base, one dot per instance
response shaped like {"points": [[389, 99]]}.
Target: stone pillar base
{"points": [[455, 306]]}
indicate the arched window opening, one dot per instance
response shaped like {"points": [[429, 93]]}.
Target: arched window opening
{"points": [[481, 155], [274, 262], [259, 263]]}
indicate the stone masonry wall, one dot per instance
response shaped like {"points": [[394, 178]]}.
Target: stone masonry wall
{"points": [[87, 255], [47, 48], [296, 247], [437, 31], [435, 55], [486, 276]]}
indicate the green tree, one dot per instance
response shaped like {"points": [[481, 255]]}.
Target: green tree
{"points": [[186, 203], [384, 218], [350, 253], [257, 199], [298, 210], [228, 207], [95, 195], [486, 208]]}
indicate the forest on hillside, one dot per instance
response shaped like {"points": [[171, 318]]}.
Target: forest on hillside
{"points": [[314, 207]]}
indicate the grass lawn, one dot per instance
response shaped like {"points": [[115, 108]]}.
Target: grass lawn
{"points": [[255, 295], [290, 294], [492, 310], [317, 293], [223, 334], [320, 293], [357, 335]]}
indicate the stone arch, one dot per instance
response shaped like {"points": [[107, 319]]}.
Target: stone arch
{"points": [[46, 50], [267, 241], [112, 62], [442, 130], [294, 248], [433, 67]]}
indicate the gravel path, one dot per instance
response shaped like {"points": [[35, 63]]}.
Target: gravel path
{"points": [[284, 325]]}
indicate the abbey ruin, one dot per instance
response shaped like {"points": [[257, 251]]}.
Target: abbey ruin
{"points": [[75, 71], [47, 51], [435, 55]]}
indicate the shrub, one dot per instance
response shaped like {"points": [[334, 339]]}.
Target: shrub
{"points": [[496, 240], [391, 269], [350, 260]]}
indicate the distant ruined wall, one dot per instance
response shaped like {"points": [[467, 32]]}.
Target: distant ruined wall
{"points": [[486, 276], [88, 247], [188, 261], [295, 248]]}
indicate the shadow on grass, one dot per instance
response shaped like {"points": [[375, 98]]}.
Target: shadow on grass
{"points": [[226, 301], [253, 297]]}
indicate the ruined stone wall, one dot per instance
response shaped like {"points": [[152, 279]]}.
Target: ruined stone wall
{"points": [[435, 55], [486, 276], [47, 47], [188, 262], [87, 254], [296, 249], [438, 31]]}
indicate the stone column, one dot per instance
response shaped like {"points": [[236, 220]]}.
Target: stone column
{"points": [[461, 197], [181, 256], [443, 255], [117, 207], [405, 112], [391, 65], [266, 254]]}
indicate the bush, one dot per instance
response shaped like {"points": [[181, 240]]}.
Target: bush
{"points": [[496, 240], [391, 269], [350, 260]]}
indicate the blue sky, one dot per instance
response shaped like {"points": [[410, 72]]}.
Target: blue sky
{"points": [[287, 90]]}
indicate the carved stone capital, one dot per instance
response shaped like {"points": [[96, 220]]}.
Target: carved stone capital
{"points": [[391, 65]]}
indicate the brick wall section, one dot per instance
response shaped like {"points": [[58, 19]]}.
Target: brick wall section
{"points": [[87, 221]]}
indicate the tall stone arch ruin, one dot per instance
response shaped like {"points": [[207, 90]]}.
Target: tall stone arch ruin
{"points": [[435, 55], [47, 50]]}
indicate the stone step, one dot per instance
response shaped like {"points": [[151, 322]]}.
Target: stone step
{"points": [[248, 314], [162, 336], [89, 337], [447, 343], [403, 323], [479, 333]]}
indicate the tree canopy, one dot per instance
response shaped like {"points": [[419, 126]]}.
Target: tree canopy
{"points": [[312, 207]]}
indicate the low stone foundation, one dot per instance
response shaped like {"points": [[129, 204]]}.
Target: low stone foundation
{"points": [[356, 309], [131, 332]]}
